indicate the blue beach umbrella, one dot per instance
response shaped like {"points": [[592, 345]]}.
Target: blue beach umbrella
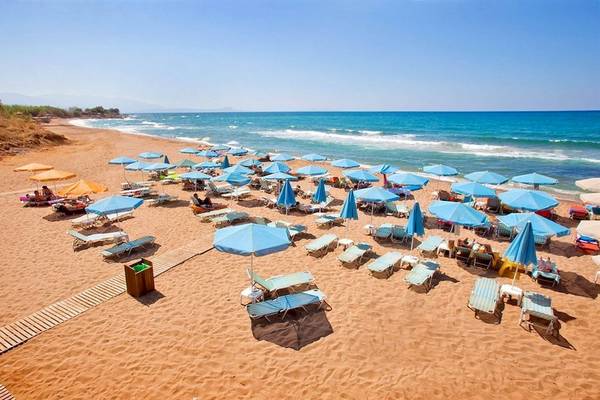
{"points": [[159, 167], [472, 189], [408, 179], [415, 224], [375, 195], [311, 170], [345, 163], [530, 200], [185, 164], [457, 213], [534, 179], [225, 163], [250, 162], [251, 240], [188, 150], [149, 155], [207, 154], [206, 165], [286, 197], [314, 157], [276, 167], [320, 194], [440, 170], [239, 169], [122, 161], [220, 147], [136, 166], [384, 169], [282, 157], [195, 176], [237, 151], [486, 177], [233, 178], [522, 248], [280, 176], [541, 226], [349, 209], [360, 175], [113, 205]]}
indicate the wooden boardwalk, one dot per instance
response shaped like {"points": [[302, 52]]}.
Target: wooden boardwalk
{"points": [[18, 332], [5, 394]]}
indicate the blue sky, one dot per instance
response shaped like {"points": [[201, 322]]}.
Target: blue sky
{"points": [[308, 55]]}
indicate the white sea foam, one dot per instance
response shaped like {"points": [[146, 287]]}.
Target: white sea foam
{"points": [[232, 126], [366, 132]]}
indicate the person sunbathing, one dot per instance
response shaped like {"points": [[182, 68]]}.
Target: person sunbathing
{"points": [[207, 202], [47, 194], [196, 200]]}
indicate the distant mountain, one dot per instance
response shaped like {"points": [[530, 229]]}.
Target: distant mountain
{"points": [[66, 101]]}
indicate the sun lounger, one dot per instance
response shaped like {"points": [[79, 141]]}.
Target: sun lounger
{"points": [[90, 220], [237, 193], [463, 254], [385, 264], [293, 229], [483, 260], [138, 193], [208, 216], [328, 220], [136, 185], [230, 218], [430, 245], [354, 254], [128, 247], [219, 190], [399, 234], [485, 296], [279, 282], [161, 199], [537, 308], [395, 209], [321, 244], [422, 274], [282, 304], [383, 232], [546, 277], [81, 241], [269, 201]]}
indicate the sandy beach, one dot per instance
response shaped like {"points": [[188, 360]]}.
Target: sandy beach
{"points": [[379, 340]]}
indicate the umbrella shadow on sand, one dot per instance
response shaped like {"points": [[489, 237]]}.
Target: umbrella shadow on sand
{"points": [[575, 284], [297, 330]]}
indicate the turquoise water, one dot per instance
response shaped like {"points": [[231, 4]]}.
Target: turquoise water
{"points": [[565, 145]]}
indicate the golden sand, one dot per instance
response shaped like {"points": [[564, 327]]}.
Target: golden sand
{"points": [[192, 338]]}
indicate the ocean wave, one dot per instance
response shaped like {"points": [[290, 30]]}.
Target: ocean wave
{"points": [[393, 141], [232, 126], [367, 132], [402, 141]]}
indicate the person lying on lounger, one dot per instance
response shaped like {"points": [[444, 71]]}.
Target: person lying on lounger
{"points": [[207, 202], [47, 194]]}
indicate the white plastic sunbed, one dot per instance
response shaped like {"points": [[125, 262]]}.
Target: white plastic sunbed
{"points": [[293, 229], [422, 274], [282, 304], [90, 220], [538, 310], [161, 199], [385, 264], [321, 244], [237, 193], [208, 216], [354, 254], [328, 220], [484, 296], [280, 282], [81, 241]]}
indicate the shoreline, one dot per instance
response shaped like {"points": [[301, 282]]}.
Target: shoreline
{"points": [[571, 196]]}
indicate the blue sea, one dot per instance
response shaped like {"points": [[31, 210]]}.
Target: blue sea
{"points": [[564, 145]]}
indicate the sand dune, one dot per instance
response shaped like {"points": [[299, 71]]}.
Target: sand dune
{"points": [[192, 338]]}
